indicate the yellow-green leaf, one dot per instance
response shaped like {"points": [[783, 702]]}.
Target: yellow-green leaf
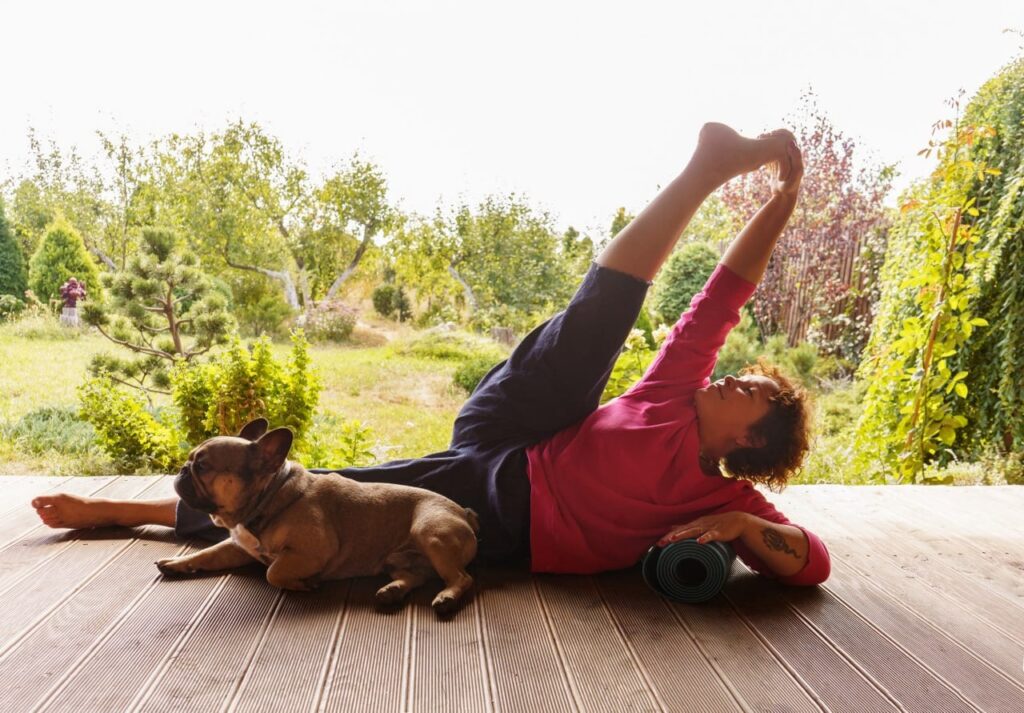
{"points": [[961, 389]]}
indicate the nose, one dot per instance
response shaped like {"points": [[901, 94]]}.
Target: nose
{"points": [[729, 381]]}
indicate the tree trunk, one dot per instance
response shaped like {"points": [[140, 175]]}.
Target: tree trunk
{"points": [[283, 276], [466, 289], [368, 233]]}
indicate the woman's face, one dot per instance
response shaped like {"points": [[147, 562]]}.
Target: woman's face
{"points": [[727, 408]]}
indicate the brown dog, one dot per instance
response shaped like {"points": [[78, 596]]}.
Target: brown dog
{"points": [[308, 528]]}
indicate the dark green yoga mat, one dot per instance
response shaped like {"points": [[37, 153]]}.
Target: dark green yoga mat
{"points": [[688, 571]]}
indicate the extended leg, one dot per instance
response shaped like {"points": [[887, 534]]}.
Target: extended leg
{"points": [[75, 511], [643, 245], [223, 555]]}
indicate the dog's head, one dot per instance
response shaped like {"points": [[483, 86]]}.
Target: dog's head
{"points": [[223, 476]]}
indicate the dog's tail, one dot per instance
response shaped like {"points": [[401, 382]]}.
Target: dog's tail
{"points": [[474, 521]]}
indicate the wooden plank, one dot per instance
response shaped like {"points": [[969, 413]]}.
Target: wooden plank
{"points": [[448, 670], [41, 545], [761, 679], [839, 683], [48, 653], [289, 669], [370, 668], [678, 671], [204, 670], [17, 491], [23, 519], [119, 665], [602, 671], [944, 611], [527, 672], [984, 685]]}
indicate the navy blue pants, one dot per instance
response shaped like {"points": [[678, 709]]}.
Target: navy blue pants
{"points": [[552, 380]]}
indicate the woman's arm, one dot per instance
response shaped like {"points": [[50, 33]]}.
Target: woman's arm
{"points": [[749, 252]]}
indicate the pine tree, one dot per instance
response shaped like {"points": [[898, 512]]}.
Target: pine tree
{"points": [[62, 255]]}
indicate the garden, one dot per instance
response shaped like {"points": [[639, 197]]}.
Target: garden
{"points": [[177, 289]]}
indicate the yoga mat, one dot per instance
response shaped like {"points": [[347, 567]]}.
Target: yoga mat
{"points": [[687, 571]]}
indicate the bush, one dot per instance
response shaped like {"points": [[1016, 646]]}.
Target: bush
{"points": [[683, 276], [52, 429], [267, 315], [62, 255], [391, 301], [333, 443], [451, 345], [10, 307], [331, 321], [630, 366], [38, 322], [13, 280], [219, 397], [473, 370], [127, 432]]}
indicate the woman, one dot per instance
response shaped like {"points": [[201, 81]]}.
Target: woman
{"points": [[583, 489]]}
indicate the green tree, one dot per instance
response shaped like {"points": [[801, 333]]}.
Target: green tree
{"points": [[13, 280], [61, 255], [163, 310], [683, 276]]}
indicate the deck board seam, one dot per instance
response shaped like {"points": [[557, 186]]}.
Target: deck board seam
{"points": [[722, 677], [841, 652], [238, 685], [910, 655], [408, 656], [326, 678], [21, 535], [4, 513], [486, 659], [630, 650], [148, 686], [777, 655], [567, 677], [111, 629]]}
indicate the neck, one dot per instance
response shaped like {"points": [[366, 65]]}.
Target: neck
{"points": [[255, 515]]}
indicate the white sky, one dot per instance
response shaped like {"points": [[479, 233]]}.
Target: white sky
{"points": [[581, 106]]}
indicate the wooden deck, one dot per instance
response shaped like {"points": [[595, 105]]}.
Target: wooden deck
{"points": [[924, 612]]}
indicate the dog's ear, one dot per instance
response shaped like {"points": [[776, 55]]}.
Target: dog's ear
{"points": [[254, 429], [271, 450]]}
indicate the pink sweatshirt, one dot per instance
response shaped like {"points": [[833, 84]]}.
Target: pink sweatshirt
{"points": [[603, 491]]}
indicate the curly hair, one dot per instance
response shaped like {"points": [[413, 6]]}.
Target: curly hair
{"points": [[784, 431]]}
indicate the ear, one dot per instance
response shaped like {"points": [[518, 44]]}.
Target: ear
{"points": [[254, 429], [271, 450]]}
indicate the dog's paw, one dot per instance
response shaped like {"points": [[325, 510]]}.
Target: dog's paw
{"points": [[390, 594], [445, 604], [174, 567]]}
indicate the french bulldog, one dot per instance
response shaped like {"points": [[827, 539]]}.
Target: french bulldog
{"points": [[309, 528]]}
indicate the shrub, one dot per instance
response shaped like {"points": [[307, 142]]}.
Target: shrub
{"points": [[391, 301], [219, 397], [13, 280], [62, 255], [127, 432], [449, 345], [52, 428], [629, 367], [473, 370], [267, 315], [10, 307], [331, 321], [333, 443], [683, 276]]}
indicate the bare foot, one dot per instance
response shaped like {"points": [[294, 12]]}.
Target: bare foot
{"points": [[73, 511], [724, 153]]}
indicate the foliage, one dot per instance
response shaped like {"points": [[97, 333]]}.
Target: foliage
{"points": [[61, 254], [219, 397], [451, 345], [265, 314], [162, 309], [683, 276], [839, 214], [620, 220], [10, 307], [126, 431], [914, 403], [331, 321], [390, 300], [336, 443], [59, 429], [630, 366], [472, 371], [13, 277]]}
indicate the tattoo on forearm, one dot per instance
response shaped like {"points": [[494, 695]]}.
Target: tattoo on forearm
{"points": [[774, 540]]}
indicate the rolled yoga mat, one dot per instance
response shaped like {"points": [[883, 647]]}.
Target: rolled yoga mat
{"points": [[688, 571]]}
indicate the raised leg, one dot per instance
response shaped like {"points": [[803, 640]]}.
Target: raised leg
{"points": [[643, 246], [223, 555]]}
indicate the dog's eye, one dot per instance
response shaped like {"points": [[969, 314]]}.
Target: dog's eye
{"points": [[199, 466]]}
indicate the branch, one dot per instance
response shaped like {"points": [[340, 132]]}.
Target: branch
{"points": [[136, 347], [139, 386]]}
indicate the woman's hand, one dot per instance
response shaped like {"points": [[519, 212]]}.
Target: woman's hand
{"points": [[787, 173], [724, 527]]}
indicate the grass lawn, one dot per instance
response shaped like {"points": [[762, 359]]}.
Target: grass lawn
{"points": [[408, 402]]}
